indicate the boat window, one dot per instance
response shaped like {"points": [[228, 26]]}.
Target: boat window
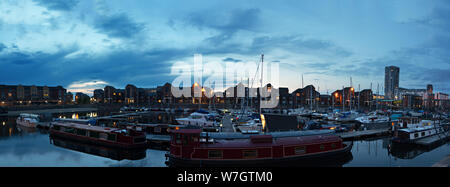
{"points": [[250, 154], [56, 127], [333, 146], [178, 139], [300, 150], [93, 134], [185, 140], [112, 137], [103, 136], [416, 135], [214, 154], [194, 138], [69, 130], [81, 132], [139, 139], [423, 133]]}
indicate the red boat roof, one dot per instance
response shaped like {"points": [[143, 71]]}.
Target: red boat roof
{"points": [[287, 141]]}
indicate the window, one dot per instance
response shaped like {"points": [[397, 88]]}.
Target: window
{"points": [[416, 135], [69, 130], [215, 154], [300, 150], [112, 137], [333, 146], [103, 136], [322, 147], [178, 139], [250, 154], [423, 133], [194, 138], [81, 132], [93, 134], [140, 139]]}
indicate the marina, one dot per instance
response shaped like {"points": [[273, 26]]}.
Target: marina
{"points": [[158, 127]]}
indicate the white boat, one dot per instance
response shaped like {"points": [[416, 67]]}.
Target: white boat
{"points": [[372, 119], [28, 120], [199, 119]]}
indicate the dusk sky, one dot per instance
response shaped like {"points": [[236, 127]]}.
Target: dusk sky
{"points": [[87, 44]]}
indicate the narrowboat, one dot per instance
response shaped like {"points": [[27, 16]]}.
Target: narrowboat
{"points": [[104, 136], [412, 134], [192, 148]]}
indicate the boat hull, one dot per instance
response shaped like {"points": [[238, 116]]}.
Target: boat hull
{"points": [[87, 140], [335, 158]]}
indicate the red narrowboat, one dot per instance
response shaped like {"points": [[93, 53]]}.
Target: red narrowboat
{"points": [[191, 148], [104, 136]]}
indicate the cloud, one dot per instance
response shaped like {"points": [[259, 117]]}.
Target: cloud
{"points": [[86, 87], [231, 60], [226, 23], [2, 47], [118, 26], [62, 5], [299, 45]]}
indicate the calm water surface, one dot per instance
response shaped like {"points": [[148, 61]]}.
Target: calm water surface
{"points": [[28, 147]]}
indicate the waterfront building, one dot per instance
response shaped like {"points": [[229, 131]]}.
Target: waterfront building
{"points": [[29, 95], [346, 97], [304, 97], [81, 98], [98, 96], [412, 101], [391, 81]]}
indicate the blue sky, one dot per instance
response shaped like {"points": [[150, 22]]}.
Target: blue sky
{"points": [[86, 44]]}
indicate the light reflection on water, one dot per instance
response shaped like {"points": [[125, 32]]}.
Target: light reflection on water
{"points": [[31, 147]]}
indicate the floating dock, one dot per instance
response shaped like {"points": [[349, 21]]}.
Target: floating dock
{"points": [[364, 134], [429, 141]]}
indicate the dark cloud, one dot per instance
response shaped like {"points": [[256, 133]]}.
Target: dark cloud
{"points": [[2, 46], [63, 5], [118, 25], [300, 45], [148, 68], [227, 23], [231, 60]]}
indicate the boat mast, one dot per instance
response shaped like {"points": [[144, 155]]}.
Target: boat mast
{"points": [[260, 91], [350, 93], [343, 98]]}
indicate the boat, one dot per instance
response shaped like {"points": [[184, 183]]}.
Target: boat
{"points": [[28, 120], [104, 136], [372, 119], [192, 148], [198, 118], [412, 134]]}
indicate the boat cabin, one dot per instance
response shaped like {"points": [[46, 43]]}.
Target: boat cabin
{"points": [[97, 134]]}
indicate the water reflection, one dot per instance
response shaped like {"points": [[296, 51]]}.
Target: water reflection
{"points": [[382, 153], [114, 154]]}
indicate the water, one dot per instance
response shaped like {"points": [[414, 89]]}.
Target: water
{"points": [[31, 147]]}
